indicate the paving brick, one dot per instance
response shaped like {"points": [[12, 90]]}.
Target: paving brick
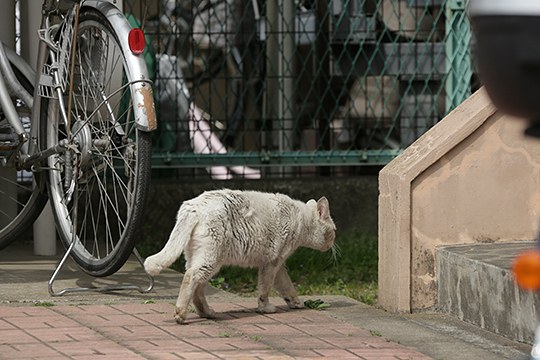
{"points": [[250, 317], [4, 325], [10, 311], [300, 316], [27, 351], [297, 342], [157, 319], [269, 329], [110, 357], [102, 347], [102, 320], [65, 334], [34, 311], [164, 355], [15, 336], [146, 332], [39, 322], [138, 309], [340, 354], [194, 330], [233, 307], [156, 346], [348, 342], [302, 353], [195, 355], [141, 331], [331, 330], [88, 310], [252, 354], [217, 344]]}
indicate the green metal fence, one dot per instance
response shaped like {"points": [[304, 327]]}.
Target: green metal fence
{"points": [[255, 88]]}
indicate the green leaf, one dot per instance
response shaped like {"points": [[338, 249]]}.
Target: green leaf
{"points": [[317, 304]]}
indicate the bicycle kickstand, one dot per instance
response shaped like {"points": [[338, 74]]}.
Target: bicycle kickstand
{"points": [[101, 289]]}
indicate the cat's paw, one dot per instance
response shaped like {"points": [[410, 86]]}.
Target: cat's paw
{"points": [[294, 303], [208, 314], [266, 309], [180, 316]]}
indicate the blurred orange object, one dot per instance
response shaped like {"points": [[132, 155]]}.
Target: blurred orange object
{"points": [[526, 269]]}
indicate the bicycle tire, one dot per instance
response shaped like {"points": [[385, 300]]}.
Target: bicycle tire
{"points": [[114, 159], [30, 197]]}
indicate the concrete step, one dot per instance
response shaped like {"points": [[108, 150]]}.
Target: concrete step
{"points": [[475, 284]]}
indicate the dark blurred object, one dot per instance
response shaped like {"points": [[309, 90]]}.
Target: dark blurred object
{"points": [[508, 54]]}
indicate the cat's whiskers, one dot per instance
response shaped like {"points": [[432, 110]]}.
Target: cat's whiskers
{"points": [[336, 253]]}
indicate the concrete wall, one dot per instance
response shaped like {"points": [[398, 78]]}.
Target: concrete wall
{"points": [[472, 178]]}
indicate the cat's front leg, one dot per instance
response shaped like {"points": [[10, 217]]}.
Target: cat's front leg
{"points": [[285, 287], [267, 274]]}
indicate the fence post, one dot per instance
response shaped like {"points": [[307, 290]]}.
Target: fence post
{"points": [[458, 53]]}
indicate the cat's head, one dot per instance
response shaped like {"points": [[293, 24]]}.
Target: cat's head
{"points": [[324, 230]]}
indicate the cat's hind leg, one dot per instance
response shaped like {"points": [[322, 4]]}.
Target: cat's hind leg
{"points": [[199, 300], [184, 297], [193, 277], [285, 287]]}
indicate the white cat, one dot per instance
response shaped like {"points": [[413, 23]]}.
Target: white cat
{"points": [[245, 228]]}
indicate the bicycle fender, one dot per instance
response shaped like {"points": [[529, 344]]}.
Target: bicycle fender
{"points": [[141, 84]]}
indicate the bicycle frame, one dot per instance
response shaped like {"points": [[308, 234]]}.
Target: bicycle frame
{"points": [[141, 91]]}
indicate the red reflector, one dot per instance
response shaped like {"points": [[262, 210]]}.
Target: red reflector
{"points": [[136, 41]]}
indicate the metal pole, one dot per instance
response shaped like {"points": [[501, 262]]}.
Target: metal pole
{"points": [[286, 99], [280, 47], [44, 228], [7, 35], [322, 50]]}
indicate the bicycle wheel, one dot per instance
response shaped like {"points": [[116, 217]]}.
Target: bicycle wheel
{"points": [[22, 192], [102, 184]]}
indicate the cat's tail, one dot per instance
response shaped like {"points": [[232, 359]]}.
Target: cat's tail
{"points": [[180, 235]]}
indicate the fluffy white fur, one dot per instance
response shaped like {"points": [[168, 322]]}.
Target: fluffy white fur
{"points": [[245, 228]]}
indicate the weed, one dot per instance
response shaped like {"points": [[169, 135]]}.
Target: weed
{"points": [[44, 303], [316, 304], [219, 282]]}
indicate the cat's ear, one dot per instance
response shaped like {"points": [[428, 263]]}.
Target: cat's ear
{"points": [[323, 208]]}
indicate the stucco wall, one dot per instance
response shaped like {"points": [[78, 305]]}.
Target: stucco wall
{"points": [[472, 178]]}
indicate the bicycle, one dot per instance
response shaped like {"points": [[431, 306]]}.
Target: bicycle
{"points": [[78, 133]]}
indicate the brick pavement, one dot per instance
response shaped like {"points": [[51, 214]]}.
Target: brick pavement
{"points": [[148, 331]]}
